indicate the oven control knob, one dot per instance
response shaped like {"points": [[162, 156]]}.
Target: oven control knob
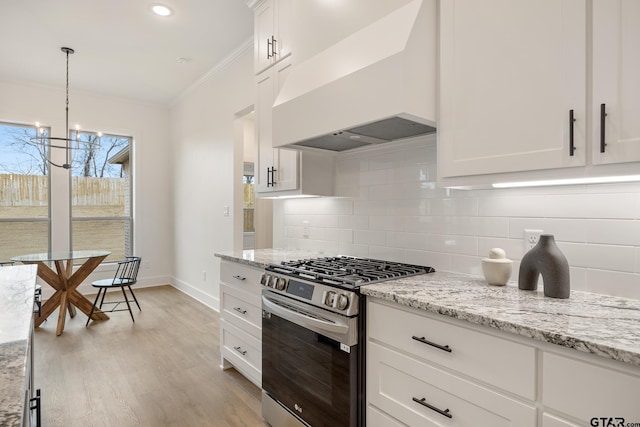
{"points": [[329, 299], [279, 283], [343, 302], [267, 280]]}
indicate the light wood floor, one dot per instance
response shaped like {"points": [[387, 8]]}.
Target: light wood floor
{"points": [[162, 370]]}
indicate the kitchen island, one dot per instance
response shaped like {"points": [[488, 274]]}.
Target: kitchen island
{"points": [[17, 286]]}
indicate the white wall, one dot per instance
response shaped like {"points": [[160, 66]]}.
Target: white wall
{"points": [[148, 124], [207, 175], [394, 211]]}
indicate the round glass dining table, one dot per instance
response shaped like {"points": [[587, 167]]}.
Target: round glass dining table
{"points": [[65, 282]]}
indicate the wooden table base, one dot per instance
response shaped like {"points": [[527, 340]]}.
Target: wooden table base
{"points": [[65, 283]]}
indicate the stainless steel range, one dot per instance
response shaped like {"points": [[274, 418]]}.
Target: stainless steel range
{"points": [[313, 332]]}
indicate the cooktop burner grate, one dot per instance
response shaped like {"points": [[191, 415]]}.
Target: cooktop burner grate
{"points": [[348, 272]]}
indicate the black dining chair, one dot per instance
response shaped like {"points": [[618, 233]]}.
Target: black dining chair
{"points": [[125, 276]]}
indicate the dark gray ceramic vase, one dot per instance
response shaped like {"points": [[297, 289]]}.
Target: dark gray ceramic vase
{"points": [[545, 258]]}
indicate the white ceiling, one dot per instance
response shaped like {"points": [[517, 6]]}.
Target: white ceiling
{"points": [[121, 48]]}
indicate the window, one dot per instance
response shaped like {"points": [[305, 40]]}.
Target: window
{"points": [[24, 192], [101, 195]]}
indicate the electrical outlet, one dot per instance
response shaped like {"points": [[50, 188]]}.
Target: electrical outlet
{"points": [[225, 210], [305, 229], [204, 275], [531, 238]]}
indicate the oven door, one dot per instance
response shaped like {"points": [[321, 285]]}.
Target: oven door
{"points": [[310, 361]]}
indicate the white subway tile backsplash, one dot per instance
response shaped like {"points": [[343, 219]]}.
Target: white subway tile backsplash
{"points": [[605, 257], [617, 205], [467, 265], [395, 211], [514, 248], [438, 260], [462, 245], [566, 230], [614, 283], [617, 232], [388, 223], [356, 222], [368, 237]]}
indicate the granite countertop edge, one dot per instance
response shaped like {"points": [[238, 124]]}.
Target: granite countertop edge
{"points": [[601, 325], [580, 344]]}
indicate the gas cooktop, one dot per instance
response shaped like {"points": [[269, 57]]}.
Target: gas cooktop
{"points": [[347, 272]]}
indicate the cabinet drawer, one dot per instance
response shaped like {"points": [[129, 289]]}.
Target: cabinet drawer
{"points": [[242, 350], [242, 276], [376, 418], [585, 390], [397, 384], [505, 364], [241, 309]]}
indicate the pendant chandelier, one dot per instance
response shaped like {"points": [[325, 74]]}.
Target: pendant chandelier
{"points": [[68, 143]]}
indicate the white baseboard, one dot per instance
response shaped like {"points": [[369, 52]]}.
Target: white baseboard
{"points": [[211, 301]]}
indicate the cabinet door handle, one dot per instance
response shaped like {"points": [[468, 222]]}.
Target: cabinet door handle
{"points": [[239, 278], [240, 310], [240, 350], [273, 176], [603, 115], [572, 147], [269, 48], [423, 402], [426, 341]]}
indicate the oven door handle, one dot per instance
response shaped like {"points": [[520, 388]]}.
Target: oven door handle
{"points": [[303, 320]]}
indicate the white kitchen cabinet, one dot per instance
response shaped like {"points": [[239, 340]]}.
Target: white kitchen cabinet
{"points": [[422, 385], [275, 169], [241, 320], [284, 172], [511, 73], [616, 81], [502, 363], [272, 35], [585, 390]]}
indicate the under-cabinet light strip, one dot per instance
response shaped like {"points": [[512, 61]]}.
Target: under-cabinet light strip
{"points": [[569, 181]]}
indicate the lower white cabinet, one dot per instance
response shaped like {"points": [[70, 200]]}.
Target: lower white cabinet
{"points": [[420, 394], [241, 320], [587, 391], [420, 384], [480, 376]]}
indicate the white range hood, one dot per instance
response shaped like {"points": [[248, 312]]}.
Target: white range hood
{"points": [[377, 85]]}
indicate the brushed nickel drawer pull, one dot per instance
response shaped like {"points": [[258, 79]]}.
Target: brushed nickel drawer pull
{"points": [[240, 310], [446, 412], [240, 350], [239, 278], [426, 341]]}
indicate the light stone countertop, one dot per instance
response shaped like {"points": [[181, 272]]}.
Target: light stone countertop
{"points": [[603, 325], [17, 285]]}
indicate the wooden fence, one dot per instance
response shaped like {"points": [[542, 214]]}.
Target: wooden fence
{"points": [[31, 190]]}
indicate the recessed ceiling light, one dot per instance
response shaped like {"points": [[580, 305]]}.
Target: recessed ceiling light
{"points": [[183, 60], [161, 10]]}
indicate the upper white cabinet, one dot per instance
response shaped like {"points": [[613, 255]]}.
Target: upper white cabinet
{"points": [[275, 169], [272, 35], [512, 74], [616, 81], [282, 172]]}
